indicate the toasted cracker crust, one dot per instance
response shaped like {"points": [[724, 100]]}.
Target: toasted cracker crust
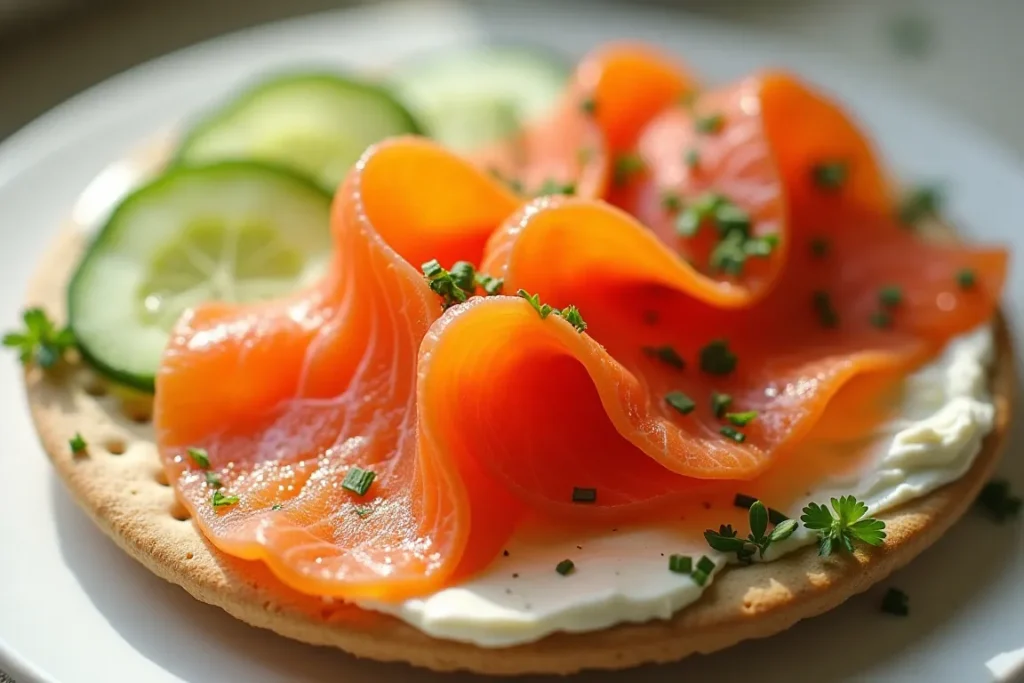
{"points": [[127, 496]]}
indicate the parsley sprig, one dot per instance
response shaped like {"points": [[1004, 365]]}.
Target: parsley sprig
{"points": [[841, 529], [726, 539], [41, 342], [570, 313], [458, 284]]}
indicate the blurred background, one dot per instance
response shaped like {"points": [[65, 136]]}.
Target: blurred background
{"points": [[967, 55]]}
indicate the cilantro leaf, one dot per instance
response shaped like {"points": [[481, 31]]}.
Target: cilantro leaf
{"points": [[847, 525], [41, 342]]}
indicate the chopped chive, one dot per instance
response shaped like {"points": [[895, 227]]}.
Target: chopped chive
{"points": [[626, 166], [776, 517], [588, 106], [741, 419], [77, 444], [680, 564], [819, 247], [830, 175], [565, 567], [966, 278], [453, 287], [667, 355], [688, 222], [731, 218], [896, 602], [920, 203], [680, 401], [699, 577], [551, 186], [200, 457], [582, 495], [492, 286], [358, 480], [276, 506], [692, 158], [220, 500], [743, 501], [761, 246], [672, 202], [709, 124], [705, 564], [363, 512], [827, 315], [998, 501], [729, 432], [463, 274], [213, 480], [881, 320], [719, 404], [717, 359], [890, 296]]}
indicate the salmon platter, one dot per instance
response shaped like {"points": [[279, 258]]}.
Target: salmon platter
{"points": [[501, 363]]}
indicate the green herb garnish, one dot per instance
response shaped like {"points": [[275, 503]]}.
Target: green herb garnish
{"points": [[692, 158], [717, 359], [705, 566], [819, 247], [358, 481], [41, 342], [920, 203], [966, 278], [449, 285], [492, 286], [729, 256], [720, 403], [588, 106], [671, 202], [363, 512], [730, 433], [709, 124], [827, 315], [741, 419], [200, 457], [680, 564], [551, 186], [680, 401], [890, 296], [77, 444], [276, 506], [220, 500], [996, 499], [847, 525], [543, 310], [667, 355], [758, 541], [572, 315], [881, 320], [583, 495], [565, 567], [213, 480], [691, 218], [626, 166], [830, 175], [896, 602]]}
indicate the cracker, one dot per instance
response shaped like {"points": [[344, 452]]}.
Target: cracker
{"points": [[120, 484]]}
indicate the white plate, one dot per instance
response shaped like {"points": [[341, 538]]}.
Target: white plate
{"points": [[74, 609]]}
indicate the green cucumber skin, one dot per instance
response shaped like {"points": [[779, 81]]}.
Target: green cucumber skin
{"points": [[215, 117], [146, 383]]}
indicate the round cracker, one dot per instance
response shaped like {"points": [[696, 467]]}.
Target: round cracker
{"points": [[119, 482]]}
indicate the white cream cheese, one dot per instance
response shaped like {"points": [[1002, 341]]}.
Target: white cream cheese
{"points": [[622, 575]]}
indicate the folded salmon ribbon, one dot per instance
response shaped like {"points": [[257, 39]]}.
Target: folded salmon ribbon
{"points": [[745, 256]]}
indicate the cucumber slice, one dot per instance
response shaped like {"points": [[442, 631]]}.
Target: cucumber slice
{"points": [[469, 96], [232, 231], [315, 123]]}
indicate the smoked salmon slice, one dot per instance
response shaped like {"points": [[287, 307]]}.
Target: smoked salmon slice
{"points": [[614, 92], [687, 376]]}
